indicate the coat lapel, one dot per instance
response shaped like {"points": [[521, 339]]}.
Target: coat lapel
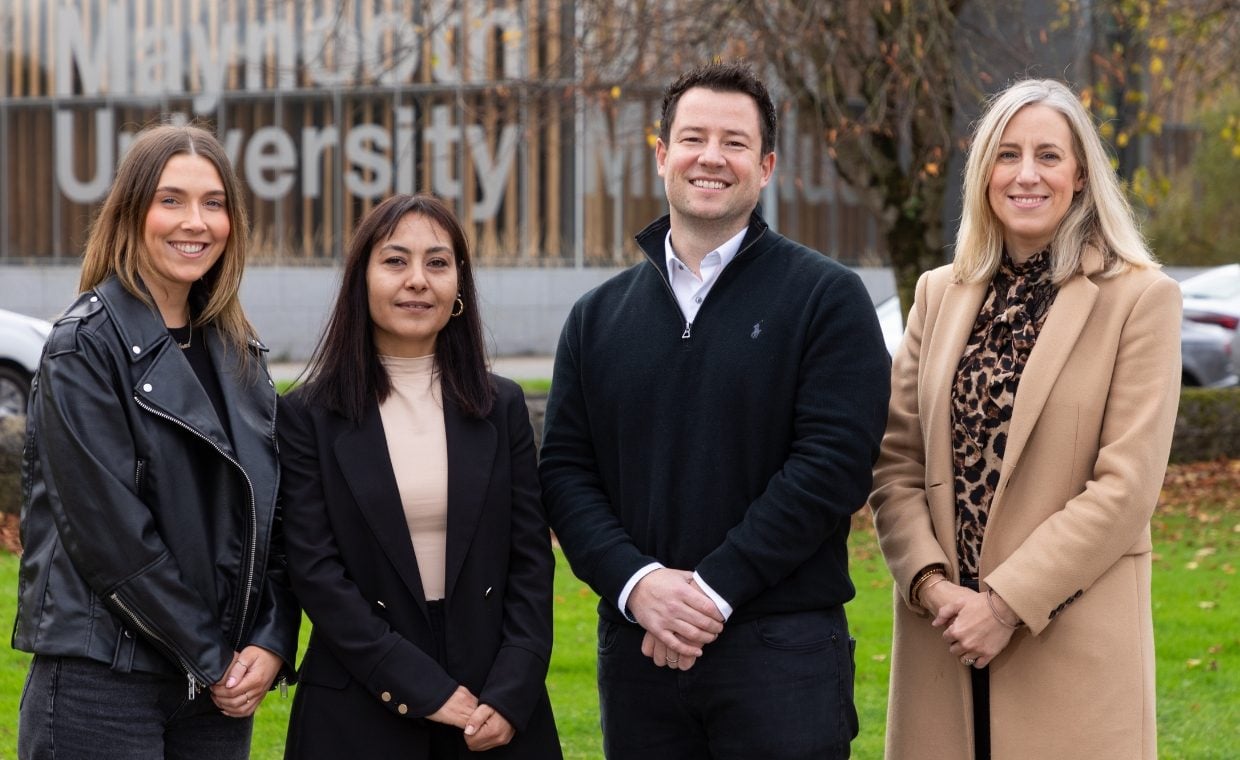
{"points": [[958, 312], [471, 454], [367, 467], [1058, 337], [951, 329]]}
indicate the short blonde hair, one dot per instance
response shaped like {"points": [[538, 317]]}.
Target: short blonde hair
{"points": [[1099, 216]]}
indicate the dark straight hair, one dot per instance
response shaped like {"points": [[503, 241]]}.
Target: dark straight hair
{"points": [[345, 372]]}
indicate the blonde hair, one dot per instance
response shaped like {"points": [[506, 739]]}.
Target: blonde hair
{"points": [[1098, 217], [114, 246]]}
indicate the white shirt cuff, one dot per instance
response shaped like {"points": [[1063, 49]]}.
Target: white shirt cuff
{"points": [[725, 609], [623, 602]]}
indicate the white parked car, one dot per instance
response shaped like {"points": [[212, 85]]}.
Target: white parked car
{"points": [[891, 321], [21, 343]]}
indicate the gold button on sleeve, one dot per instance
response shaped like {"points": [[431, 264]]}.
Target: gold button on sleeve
{"points": [[402, 709], [386, 696]]}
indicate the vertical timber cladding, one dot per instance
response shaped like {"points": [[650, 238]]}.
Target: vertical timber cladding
{"points": [[328, 106], [325, 106]]}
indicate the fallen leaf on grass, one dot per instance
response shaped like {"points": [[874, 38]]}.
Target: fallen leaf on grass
{"points": [[1190, 566], [1193, 664], [1207, 605], [879, 658], [1205, 551]]}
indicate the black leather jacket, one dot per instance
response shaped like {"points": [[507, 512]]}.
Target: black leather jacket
{"points": [[151, 541]]}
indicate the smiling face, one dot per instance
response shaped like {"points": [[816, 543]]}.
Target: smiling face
{"points": [[1034, 178], [411, 284], [712, 164], [184, 233]]}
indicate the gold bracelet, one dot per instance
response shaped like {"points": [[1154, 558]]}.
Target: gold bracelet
{"points": [[927, 574], [931, 585], [990, 602]]}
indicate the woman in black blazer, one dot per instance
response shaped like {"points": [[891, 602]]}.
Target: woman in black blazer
{"points": [[415, 536]]}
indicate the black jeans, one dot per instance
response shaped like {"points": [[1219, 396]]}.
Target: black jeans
{"points": [[78, 709], [779, 687]]}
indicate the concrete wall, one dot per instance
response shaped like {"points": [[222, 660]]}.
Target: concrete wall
{"points": [[523, 309]]}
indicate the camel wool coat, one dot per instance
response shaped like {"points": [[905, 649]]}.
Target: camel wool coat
{"points": [[1067, 543]]}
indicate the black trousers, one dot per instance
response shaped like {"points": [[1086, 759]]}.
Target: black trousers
{"points": [[447, 742], [981, 697], [775, 687]]}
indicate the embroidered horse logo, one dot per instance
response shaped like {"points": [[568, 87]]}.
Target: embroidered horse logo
{"points": [[757, 330]]}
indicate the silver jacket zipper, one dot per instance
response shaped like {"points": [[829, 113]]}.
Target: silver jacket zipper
{"points": [[150, 634], [687, 333], [253, 544]]}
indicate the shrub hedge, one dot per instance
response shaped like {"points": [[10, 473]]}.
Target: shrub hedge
{"points": [[1208, 426]]}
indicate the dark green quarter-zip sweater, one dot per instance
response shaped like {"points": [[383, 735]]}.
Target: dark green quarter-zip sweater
{"points": [[737, 446]]}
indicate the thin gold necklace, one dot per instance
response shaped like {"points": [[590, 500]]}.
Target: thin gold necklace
{"points": [[189, 340]]}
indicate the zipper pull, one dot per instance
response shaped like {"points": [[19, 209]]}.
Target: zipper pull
{"points": [[193, 686], [284, 687], [685, 335]]}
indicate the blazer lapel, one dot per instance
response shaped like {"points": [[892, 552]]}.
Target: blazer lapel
{"points": [[1058, 337], [471, 454], [367, 467]]}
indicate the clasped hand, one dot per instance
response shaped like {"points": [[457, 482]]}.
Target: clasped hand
{"points": [[245, 683], [678, 616], [483, 726], [969, 627]]}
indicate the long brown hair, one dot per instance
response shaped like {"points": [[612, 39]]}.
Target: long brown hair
{"points": [[345, 371], [115, 248]]}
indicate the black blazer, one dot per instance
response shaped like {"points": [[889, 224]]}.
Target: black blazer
{"points": [[370, 675]]}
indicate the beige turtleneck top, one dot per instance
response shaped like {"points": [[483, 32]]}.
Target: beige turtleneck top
{"points": [[413, 424]]}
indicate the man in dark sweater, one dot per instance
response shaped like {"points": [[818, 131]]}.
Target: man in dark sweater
{"points": [[714, 414]]}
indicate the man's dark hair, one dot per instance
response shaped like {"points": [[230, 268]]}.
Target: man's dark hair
{"points": [[733, 76]]}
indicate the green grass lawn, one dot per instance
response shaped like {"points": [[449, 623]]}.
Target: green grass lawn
{"points": [[1196, 608]]}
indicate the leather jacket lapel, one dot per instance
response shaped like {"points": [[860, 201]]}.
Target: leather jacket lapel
{"points": [[167, 387]]}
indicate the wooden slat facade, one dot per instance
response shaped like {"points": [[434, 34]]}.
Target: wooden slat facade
{"points": [[329, 107]]}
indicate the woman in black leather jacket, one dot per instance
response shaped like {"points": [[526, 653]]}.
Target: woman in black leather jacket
{"points": [[153, 591]]}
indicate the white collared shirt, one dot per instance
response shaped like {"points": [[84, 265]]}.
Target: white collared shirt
{"points": [[691, 289]]}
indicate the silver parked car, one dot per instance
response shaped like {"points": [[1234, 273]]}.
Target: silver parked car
{"points": [[1208, 336], [1207, 354], [1213, 297], [21, 343]]}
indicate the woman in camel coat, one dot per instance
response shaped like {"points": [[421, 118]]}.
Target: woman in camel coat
{"points": [[1038, 601]]}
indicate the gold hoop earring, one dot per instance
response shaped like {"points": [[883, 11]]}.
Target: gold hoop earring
{"points": [[460, 307]]}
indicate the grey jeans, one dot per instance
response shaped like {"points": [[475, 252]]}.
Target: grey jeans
{"points": [[79, 709]]}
